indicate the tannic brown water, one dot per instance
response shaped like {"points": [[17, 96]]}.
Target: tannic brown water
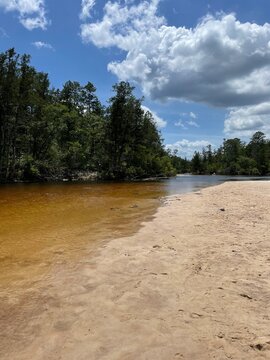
{"points": [[46, 224]]}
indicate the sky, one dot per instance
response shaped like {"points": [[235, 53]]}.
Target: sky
{"points": [[202, 66]]}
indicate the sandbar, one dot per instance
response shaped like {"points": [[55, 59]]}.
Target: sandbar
{"points": [[193, 283]]}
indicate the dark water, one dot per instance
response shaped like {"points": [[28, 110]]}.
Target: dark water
{"points": [[44, 224]]}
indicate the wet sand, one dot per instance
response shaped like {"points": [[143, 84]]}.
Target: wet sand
{"points": [[194, 283]]}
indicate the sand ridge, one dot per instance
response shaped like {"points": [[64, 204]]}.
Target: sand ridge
{"points": [[194, 283]]}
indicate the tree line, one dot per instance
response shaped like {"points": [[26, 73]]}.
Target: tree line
{"points": [[51, 134], [233, 157], [55, 134]]}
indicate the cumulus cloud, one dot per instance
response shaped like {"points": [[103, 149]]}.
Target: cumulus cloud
{"points": [[123, 25], [244, 121], [32, 13], [214, 63], [187, 148], [158, 120], [42, 45], [221, 62], [87, 6]]}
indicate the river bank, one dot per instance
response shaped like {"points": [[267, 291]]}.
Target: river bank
{"points": [[191, 284]]}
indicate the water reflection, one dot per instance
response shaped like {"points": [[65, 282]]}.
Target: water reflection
{"points": [[188, 183], [41, 224]]}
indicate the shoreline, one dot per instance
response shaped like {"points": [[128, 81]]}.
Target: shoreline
{"points": [[99, 180], [193, 283]]}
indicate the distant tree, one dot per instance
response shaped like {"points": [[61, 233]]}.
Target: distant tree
{"points": [[181, 165], [232, 150], [257, 149], [234, 157], [197, 163], [247, 166]]}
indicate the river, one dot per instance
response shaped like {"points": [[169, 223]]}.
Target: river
{"points": [[46, 224]]}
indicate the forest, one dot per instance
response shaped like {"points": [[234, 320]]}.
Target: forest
{"points": [[233, 157], [49, 134], [52, 134]]}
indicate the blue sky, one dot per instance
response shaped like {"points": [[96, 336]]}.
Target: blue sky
{"points": [[203, 67]]}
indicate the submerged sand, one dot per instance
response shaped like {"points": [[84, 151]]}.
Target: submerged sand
{"points": [[192, 284]]}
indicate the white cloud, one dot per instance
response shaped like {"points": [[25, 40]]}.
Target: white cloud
{"points": [[180, 123], [244, 121], [193, 115], [158, 120], [221, 62], [187, 148], [32, 13], [42, 45], [192, 123], [87, 6], [189, 120], [216, 62], [123, 25]]}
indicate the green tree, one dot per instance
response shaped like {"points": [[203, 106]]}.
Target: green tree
{"points": [[134, 144], [9, 97], [257, 149], [197, 163], [232, 150]]}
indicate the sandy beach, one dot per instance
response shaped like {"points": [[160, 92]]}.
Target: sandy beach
{"points": [[194, 284]]}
